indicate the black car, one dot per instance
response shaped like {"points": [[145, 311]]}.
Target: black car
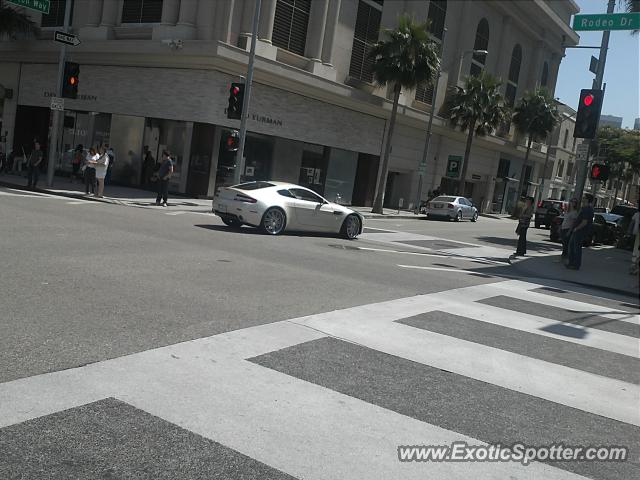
{"points": [[547, 211], [606, 229]]}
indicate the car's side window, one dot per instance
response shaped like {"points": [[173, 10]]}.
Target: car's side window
{"points": [[286, 193], [302, 194], [463, 201]]}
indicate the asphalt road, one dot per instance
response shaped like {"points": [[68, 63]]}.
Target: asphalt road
{"points": [[157, 343]]}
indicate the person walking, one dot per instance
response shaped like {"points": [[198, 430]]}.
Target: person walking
{"points": [[90, 171], [35, 159], [164, 174], [76, 161], [101, 168], [567, 224], [523, 226], [581, 229]]}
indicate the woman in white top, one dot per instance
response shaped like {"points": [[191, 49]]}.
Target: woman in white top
{"points": [[101, 165], [89, 171], [567, 225]]}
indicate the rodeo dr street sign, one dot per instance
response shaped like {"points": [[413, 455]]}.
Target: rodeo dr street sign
{"points": [[607, 21]]}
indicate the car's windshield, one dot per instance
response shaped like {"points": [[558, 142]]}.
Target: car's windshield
{"points": [[253, 185]]}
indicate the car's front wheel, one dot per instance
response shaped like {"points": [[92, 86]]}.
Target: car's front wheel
{"points": [[475, 216], [273, 221], [458, 216], [351, 227]]}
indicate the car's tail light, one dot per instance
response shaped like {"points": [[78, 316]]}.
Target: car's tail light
{"points": [[450, 205], [240, 197]]}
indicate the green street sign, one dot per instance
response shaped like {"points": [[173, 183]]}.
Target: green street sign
{"points": [[453, 166], [607, 21], [37, 5]]}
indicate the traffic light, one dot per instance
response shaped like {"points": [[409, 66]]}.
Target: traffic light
{"points": [[599, 172], [70, 79], [232, 141], [588, 113], [236, 97]]}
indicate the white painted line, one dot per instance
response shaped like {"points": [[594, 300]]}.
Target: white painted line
{"points": [[82, 202], [592, 393], [204, 386], [442, 269], [600, 339]]}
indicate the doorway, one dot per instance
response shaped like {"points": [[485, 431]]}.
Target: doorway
{"points": [[200, 159]]}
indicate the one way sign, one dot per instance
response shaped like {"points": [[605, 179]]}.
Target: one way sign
{"points": [[66, 38]]}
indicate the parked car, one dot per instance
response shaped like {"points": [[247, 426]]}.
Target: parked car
{"points": [[275, 207], [547, 210], [600, 209], [453, 208], [606, 229]]}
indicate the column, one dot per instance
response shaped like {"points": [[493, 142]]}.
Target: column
{"points": [[187, 15], [224, 19], [536, 67], [205, 20], [503, 53], [170, 9], [267, 16], [246, 23], [109, 14], [330, 31], [95, 13], [553, 72], [316, 30]]}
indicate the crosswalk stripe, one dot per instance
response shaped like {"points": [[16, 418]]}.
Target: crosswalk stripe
{"points": [[206, 387], [603, 340]]}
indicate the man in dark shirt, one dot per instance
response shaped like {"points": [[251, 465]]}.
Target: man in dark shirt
{"points": [[581, 229], [35, 159], [164, 174]]}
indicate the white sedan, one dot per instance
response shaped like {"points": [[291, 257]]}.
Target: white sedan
{"points": [[455, 208], [276, 207]]}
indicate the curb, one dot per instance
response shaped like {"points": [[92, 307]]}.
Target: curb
{"points": [[56, 193], [513, 261]]}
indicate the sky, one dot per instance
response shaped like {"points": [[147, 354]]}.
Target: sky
{"points": [[622, 69]]}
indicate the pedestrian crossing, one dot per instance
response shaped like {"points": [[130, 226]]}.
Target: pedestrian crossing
{"points": [[333, 395]]}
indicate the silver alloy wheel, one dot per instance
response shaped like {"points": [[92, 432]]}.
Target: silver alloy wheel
{"points": [[459, 216], [273, 221], [353, 227], [475, 216]]}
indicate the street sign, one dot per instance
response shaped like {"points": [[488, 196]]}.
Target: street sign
{"points": [[422, 167], [57, 103], [607, 21], [37, 5], [453, 166], [66, 38], [581, 152]]}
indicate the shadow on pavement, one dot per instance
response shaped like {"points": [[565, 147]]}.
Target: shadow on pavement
{"points": [[256, 231], [512, 242]]}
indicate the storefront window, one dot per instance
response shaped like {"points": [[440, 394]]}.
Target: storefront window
{"points": [[341, 175], [160, 135]]}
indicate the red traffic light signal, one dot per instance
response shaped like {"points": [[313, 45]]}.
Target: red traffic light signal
{"points": [[236, 97], [599, 172], [588, 113], [232, 141], [70, 80]]}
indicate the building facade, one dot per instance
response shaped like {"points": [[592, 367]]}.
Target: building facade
{"points": [[610, 121], [157, 73]]}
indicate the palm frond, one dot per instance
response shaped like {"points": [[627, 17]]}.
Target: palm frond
{"points": [[536, 115]]}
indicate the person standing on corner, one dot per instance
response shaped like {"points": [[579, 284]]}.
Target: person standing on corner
{"points": [[523, 226], [90, 171], [164, 174], [76, 161], [581, 229], [101, 166], [112, 161], [35, 159], [567, 224]]}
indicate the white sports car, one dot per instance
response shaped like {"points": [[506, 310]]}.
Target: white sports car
{"points": [[277, 206]]}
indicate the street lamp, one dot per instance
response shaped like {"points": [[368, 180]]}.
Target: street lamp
{"points": [[484, 52]]}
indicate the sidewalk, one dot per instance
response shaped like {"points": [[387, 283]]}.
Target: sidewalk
{"points": [[114, 194], [602, 268]]}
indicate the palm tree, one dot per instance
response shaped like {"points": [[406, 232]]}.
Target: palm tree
{"points": [[13, 22], [407, 58], [477, 108], [535, 116]]}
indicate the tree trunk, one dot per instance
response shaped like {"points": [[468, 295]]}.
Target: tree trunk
{"points": [[384, 166], [465, 161], [524, 167]]}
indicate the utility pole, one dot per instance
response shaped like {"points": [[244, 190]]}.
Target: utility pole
{"points": [[427, 142], [55, 127], [581, 178], [237, 175]]}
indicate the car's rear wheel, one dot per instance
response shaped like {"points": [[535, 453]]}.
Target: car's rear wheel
{"points": [[273, 221], [351, 227], [231, 222], [458, 216], [537, 224], [475, 216]]}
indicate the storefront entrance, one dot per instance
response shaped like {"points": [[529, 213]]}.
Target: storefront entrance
{"points": [[200, 159]]}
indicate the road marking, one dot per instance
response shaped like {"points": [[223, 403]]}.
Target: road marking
{"points": [[442, 269]]}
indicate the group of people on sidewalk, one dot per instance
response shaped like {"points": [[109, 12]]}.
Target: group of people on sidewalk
{"points": [[94, 165], [575, 229]]}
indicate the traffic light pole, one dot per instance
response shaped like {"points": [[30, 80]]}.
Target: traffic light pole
{"points": [[237, 174], [55, 127], [581, 179], [427, 141]]}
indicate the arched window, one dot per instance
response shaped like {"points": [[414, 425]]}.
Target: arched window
{"points": [[545, 75], [514, 75], [481, 43], [436, 18]]}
